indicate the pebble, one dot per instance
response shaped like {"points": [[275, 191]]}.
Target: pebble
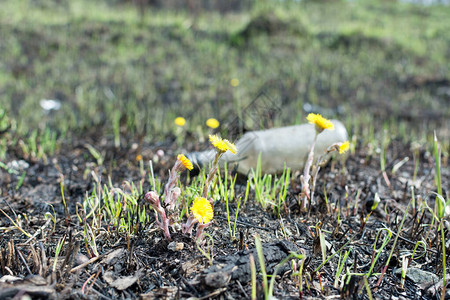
{"points": [[18, 165], [217, 279], [418, 276], [174, 246]]}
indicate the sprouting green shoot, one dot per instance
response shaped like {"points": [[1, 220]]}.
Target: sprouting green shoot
{"points": [[440, 206], [208, 253], [247, 190], [57, 252], [292, 255], [96, 154], [7, 169], [16, 224], [268, 187], [253, 274], [424, 245], [404, 270], [437, 157], [284, 180], [395, 243], [20, 181], [323, 245], [235, 219], [262, 264], [331, 256], [268, 290], [228, 217], [378, 252], [366, 285], [376, 201], [340, 267], [398, 165]]}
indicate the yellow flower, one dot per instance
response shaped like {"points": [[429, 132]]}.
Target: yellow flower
{"points": [[180, 121], [185, 161], [202, 210], [320, 122], [344, 147], [212, 123], [221, 144], [138, 157], [234, 82]]}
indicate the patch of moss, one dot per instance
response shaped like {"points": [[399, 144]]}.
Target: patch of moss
{"points": [[270, 24], [358, 40]]}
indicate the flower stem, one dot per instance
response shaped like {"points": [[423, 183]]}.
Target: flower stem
{"points": [[211, 174], [306, 176]]}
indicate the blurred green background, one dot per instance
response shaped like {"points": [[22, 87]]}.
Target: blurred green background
{"points": [[127, 69]]}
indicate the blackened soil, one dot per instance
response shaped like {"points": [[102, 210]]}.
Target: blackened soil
{"points": [[146, 265]]}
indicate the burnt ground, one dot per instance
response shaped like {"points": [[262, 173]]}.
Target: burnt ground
{"points": [[401, 85], [141, 264]]}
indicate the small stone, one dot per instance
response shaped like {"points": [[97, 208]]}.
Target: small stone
{"points": [[174, 246], [217, 279], [190, 267], [123, 282], [418, 276], [9, 279], [114, 257], [50, 104], [81, 259], [163, 293], [18, 165], [36, 280]]}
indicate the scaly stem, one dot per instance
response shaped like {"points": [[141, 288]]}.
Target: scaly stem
{"points": [[161, 218], [444, 268], [314, 178], [306, 177], [211, 174], [170, 198]]}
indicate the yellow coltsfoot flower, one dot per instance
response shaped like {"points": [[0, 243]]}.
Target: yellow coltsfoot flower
{"points": [[234, 82], [185, 161], [222, 144], [320, 122], [344, 147], [212, 123], [202, 210], [180, 121]]}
